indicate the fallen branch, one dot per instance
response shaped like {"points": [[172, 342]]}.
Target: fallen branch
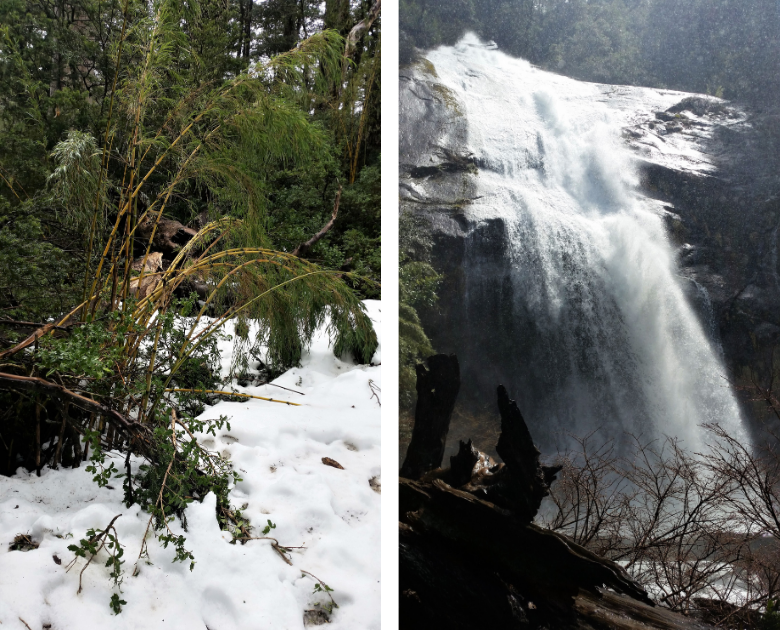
{"points": [[303, 248], [18, 324], [32, 383], [29, 341]]}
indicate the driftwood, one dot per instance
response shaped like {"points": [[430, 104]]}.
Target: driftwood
{"points": [[437, 390], [470, 555]]}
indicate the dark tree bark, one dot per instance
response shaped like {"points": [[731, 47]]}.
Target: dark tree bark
{"points": [[437, 390], [337, 15], [462, 465], [247, 28], [241, 30], [525, 482]]}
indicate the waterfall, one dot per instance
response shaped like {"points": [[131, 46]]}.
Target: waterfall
{"points": [[598, 333]]}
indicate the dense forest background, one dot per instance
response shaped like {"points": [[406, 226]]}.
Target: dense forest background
{"points": [[721, 47], [59, 80]]}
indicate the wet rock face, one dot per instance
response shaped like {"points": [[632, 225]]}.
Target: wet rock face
{"points": [[726, 225], [437, 179], [435, 171]]}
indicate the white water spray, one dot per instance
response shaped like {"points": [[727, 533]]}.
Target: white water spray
{"points": [[604, 330]]}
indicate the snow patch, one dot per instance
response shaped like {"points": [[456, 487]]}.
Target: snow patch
{"points": [[279, 451]]}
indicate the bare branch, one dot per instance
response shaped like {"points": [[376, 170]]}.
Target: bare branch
{"points": [[304, 248]]}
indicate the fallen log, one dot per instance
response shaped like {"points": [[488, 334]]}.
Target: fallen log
{"points": [[471, 557]]}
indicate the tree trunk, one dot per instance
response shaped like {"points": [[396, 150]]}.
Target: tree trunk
{"points": [[337, 15], [468, 562], [248, 30]]}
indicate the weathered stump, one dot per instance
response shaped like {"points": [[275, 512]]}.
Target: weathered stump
{"points": [[169, 235], [437, 391]]}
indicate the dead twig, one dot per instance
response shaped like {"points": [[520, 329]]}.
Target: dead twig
{"points": [[286, 388], [375, 390], [281, 550], [102, 538]]}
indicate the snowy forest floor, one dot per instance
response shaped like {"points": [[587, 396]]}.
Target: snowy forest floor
{"points": [[278, 451]]}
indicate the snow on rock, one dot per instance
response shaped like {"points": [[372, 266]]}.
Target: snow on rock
{"points": [[278, 451]]}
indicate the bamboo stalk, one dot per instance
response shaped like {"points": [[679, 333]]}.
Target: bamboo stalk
{"points": [[37, 439], [106, 148], [150, 371], [224, 393]]}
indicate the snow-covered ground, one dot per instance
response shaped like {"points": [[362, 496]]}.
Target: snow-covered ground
{"points": [[278, 451]]}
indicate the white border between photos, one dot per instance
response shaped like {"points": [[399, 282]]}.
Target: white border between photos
{"points": [[390, 463]]}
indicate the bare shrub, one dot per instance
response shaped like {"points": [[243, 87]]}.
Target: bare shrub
{"points": [[700, 531]]}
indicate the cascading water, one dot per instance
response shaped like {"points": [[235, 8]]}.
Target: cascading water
{"points": [[599, 335]]}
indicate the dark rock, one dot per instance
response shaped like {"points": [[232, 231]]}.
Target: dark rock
{"points": [[727, 229], [665, 116], [698, 105]]}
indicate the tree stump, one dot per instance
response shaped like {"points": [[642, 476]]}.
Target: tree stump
{"points": [[437, 391]]}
